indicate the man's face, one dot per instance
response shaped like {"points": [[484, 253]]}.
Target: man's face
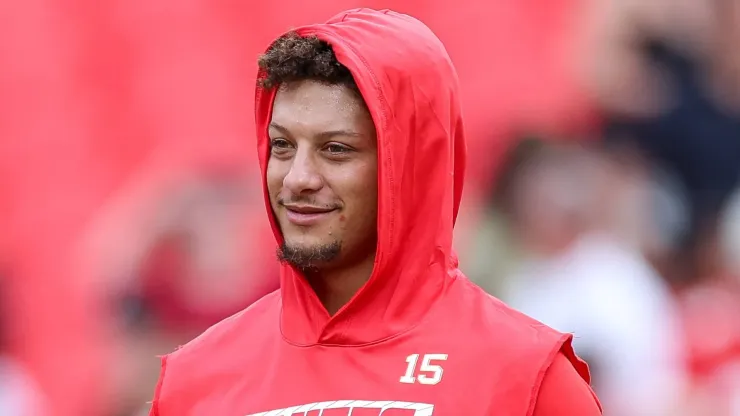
{"points": [[322, 174]]}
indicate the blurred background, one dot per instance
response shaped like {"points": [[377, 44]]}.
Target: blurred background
{"points": [[602, 199]]}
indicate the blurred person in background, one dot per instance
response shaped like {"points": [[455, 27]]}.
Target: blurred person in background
{"points": [[579, 218], [667, 76], [180, 254]]}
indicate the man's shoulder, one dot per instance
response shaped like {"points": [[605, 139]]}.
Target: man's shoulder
{"points": [[506, 330], [245, 328], [514, 349], [493, 321]]}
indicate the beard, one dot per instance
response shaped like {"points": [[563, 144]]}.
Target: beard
{"points": [[308, 259]]}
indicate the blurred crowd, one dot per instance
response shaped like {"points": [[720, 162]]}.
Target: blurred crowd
{"points": [[603, 196]]}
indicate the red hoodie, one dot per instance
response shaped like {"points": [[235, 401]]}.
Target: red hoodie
{"points": [[418, 338]]}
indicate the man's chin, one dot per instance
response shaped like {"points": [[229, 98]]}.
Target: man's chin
{"points": [[305, 255]]}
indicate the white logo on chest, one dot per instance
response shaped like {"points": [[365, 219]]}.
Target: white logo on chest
{"points": [[419, 409]]}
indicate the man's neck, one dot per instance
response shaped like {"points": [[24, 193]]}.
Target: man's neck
{"points": [[335, 287]]}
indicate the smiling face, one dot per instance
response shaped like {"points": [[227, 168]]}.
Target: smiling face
{"points": [[322, 175]]}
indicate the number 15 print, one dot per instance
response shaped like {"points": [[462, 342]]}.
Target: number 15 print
{"points": [[430, 371]]}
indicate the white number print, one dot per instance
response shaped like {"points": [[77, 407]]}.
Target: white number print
{"points": [[429, 372]]}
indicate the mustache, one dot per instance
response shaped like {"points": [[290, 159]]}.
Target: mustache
{"points": [[282, 201]]}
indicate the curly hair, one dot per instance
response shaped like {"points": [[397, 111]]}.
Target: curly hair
{"points": [[295, 58]]}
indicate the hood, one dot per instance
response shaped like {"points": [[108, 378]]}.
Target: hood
{"points": [[411, 89]]}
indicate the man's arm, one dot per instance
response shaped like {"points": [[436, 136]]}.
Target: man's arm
{"points": [[565, 393]]}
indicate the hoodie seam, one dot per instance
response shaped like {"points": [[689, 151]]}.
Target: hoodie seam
{"points": [[433, 110]]}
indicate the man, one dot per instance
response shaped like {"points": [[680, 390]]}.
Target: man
{"points": [[362, 153]]}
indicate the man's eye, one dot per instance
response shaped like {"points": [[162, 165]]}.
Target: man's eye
{"points": [[337, 148], [279, 144]]}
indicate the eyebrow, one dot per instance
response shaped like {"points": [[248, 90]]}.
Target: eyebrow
{"points": [[323, 135]]}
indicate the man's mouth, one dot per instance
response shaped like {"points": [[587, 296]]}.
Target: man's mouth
{"points": [[305, 214]]}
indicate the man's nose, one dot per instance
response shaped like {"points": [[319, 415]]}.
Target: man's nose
{"points": [[303, 176]]}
